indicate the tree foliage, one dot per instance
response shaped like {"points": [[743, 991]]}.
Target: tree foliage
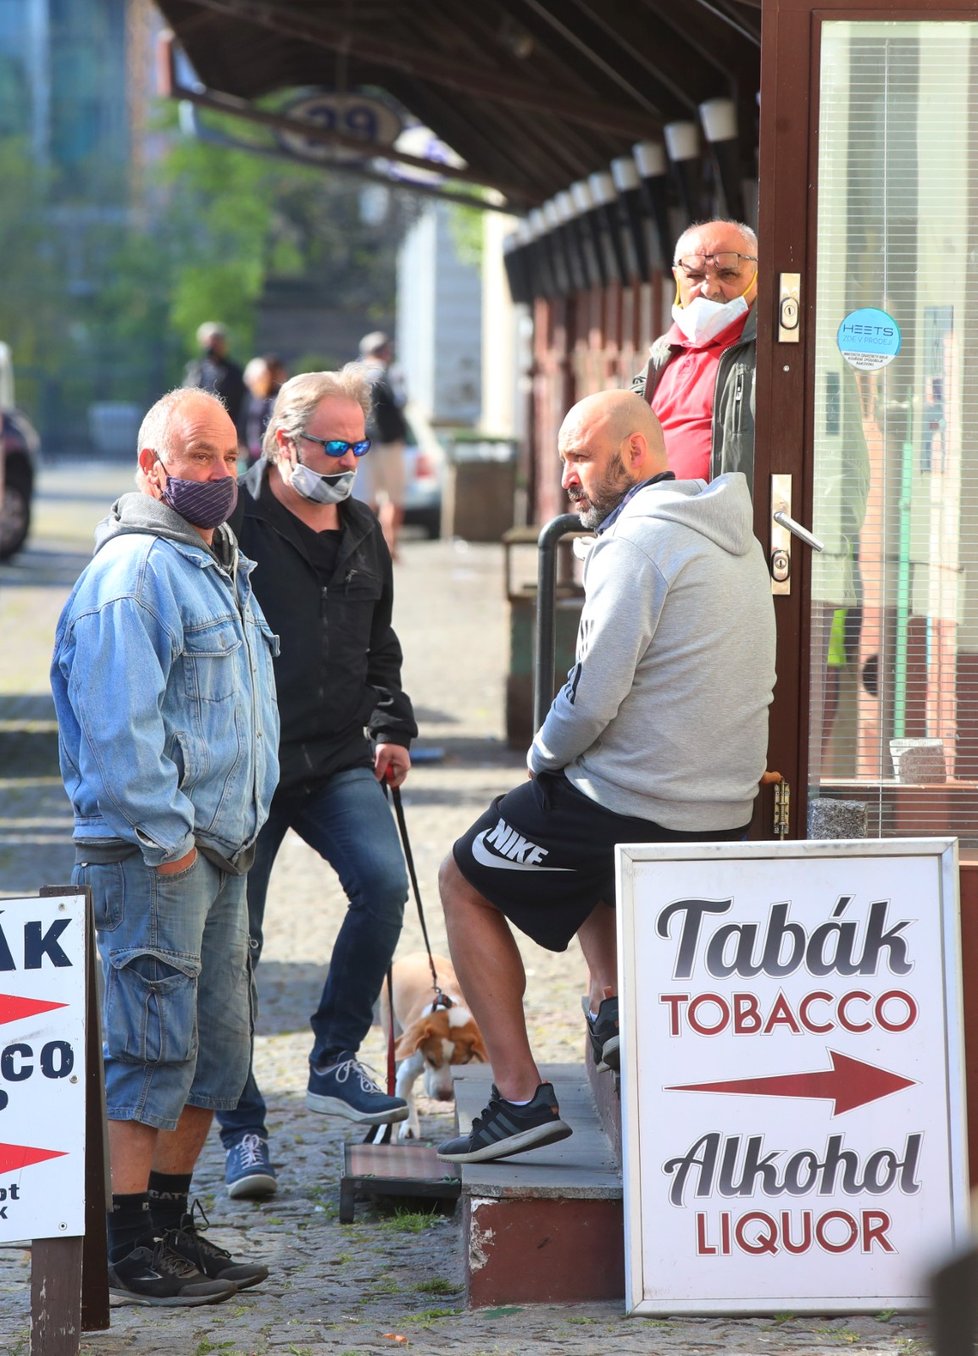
{"points": [[101, 299]]}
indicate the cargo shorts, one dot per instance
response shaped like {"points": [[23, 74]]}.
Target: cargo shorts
{"points": [[177, 1009]]}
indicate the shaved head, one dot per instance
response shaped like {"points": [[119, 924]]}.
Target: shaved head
{"points": [[608, 442], [617, 415]]}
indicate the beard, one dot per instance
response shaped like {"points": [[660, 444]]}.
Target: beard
{"points": [[592, 509]]}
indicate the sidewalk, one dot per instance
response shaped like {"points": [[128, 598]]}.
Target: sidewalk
{"points": [[384, 1282]]}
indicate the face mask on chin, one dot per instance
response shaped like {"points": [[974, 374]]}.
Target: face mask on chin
{"points": [[702, 320], [321, 489]]}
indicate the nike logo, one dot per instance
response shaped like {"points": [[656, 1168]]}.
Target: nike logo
{"points": [[515, 853]]}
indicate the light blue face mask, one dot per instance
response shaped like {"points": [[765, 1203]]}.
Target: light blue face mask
{"points": [[322, 489]]}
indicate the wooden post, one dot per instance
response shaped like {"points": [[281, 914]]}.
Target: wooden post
{"points": [[69, 1276]]}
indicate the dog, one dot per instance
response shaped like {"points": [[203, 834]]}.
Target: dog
{"points": [[429, 1039]]}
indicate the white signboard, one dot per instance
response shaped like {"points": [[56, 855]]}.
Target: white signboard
{"points": [[792, 1074], [42, 1067]]}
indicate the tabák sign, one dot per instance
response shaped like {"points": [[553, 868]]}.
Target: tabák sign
{"points": [[42, 1067], [792, 1074]]}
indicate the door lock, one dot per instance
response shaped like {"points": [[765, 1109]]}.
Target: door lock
{"points": [[789, 308], [780, 565]]}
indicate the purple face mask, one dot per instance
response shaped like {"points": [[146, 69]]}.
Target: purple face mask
{"points": [[204, 503]]}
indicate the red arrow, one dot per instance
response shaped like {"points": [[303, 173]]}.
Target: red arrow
{"points": [[13, 1157], [849, 1083], [13, 1008]]}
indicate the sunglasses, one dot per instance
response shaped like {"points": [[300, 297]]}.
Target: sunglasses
{"points": [[337, 447]]}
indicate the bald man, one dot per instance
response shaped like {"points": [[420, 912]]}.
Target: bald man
{"points": [[658, 735], [699, 379]]}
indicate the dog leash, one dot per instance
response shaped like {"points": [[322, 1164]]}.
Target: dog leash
{"points": [[381, 1134], [442, 1000]]}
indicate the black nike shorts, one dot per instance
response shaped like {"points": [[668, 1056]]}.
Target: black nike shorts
{"points": [[544, 855]]}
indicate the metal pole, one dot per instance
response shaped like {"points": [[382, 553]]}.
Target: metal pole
{"points": [[543, 668]]}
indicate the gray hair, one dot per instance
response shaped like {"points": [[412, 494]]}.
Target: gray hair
{"points": [[748, 232], [210, 329], [156, 430], [299, 396]]}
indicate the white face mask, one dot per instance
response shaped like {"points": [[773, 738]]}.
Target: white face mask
{"points": [[322, 489], [702, 320]]}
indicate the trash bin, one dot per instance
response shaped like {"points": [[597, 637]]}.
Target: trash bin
{"points": [[522, 637], [480, 488]]}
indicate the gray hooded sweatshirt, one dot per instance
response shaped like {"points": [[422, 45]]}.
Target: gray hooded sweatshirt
{"points": [[664, 715]]}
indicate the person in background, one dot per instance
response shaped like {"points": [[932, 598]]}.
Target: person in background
{"points": [[699, 379], [167, 736], [213, 370], [263, 377], [325, 582], [387, 431]]}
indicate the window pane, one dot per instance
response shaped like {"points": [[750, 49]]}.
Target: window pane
{"points": [[894, 716]]}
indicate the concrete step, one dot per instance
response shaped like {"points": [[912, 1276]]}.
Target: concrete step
{"points": [[545, 1226]]}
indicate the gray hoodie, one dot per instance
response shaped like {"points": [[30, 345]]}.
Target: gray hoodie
{"points": [[664, 715]]}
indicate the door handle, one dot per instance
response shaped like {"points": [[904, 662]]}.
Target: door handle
{"points": [[783, 528], [796, 529]]}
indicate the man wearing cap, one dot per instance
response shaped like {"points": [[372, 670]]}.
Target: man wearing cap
{"points": [[387, 431], [699, 379], [215, 371]]}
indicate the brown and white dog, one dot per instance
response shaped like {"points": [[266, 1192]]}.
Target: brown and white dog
{"points": [[429, 1040]]}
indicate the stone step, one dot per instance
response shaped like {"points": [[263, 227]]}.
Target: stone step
{"points": [[545, 1226]]}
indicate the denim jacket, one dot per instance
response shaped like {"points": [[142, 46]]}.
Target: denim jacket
{"points": [[164, 691]]}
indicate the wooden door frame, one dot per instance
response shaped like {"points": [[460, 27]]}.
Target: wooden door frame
{"points": [[785, 399]]}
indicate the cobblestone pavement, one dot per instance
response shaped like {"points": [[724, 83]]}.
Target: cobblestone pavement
{"points": [[388, 1280]]}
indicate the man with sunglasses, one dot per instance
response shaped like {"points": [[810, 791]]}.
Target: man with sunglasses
{"points": [[699, 379], [325, 583]]}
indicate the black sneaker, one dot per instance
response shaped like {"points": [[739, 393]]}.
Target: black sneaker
{"points": [[603, 1031], [505, 1129], [346, 1089], [189, 1242], [158, 1275]]}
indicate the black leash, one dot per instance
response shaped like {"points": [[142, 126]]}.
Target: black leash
{"points": [[381, 1134], [442, 999]]}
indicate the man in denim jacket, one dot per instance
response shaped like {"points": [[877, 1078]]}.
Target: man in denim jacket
{"points": [[168, 737]]}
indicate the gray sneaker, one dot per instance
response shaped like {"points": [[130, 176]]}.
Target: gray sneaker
{"points": [[504, 1129], [603, 1031]]}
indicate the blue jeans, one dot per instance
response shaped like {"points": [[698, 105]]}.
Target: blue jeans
{"points": [[349, 823]]}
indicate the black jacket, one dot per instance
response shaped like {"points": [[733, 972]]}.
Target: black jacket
{"points": [[386, 423], [222, 376], [339, 671]]}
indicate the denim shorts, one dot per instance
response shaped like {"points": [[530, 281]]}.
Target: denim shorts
{"points": [[177, 1003]]}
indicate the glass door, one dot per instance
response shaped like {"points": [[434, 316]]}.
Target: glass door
{"points": [[893, 634], [866, 431]]}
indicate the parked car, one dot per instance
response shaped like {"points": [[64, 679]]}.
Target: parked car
{"points": [[424, 467], [19, 448]]}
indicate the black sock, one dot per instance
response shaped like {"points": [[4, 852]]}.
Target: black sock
{"points": [[168, 1194], [129, 1224]]}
